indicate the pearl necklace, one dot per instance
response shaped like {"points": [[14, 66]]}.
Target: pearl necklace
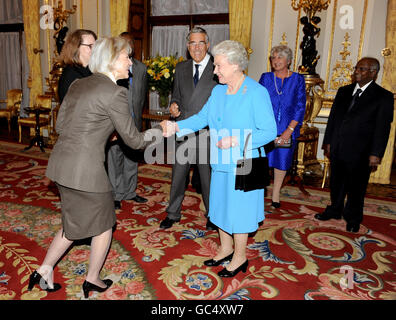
{"points": [[276, 87], [236, 88]]}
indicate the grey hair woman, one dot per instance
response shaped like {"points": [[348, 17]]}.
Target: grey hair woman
{"points": [[287, 92], [92, 109], [282, 51], [237, 106]]}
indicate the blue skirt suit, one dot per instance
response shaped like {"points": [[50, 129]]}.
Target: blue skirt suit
{"points": [[288, 102], [249, 110]]}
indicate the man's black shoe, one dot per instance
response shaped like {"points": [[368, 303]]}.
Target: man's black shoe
{"points": [[326, 216], [139, 199], [117, 205], [167, 223], [352, 227]]}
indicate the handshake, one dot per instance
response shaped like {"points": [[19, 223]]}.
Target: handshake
{"points": [[169, 128]]}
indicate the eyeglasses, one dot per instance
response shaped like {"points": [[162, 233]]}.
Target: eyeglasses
{"points": [[363, 69], [88, 45], [197, 44]]}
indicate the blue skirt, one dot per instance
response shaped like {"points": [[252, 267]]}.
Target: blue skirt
{"points": [[281, 158], [231, 210]]}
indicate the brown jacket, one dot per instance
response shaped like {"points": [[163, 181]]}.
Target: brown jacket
{"points": [[92, 109]]}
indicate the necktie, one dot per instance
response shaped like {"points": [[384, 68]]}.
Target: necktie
{"points": [[130, 78], [130, 88], [196, 75], [355, 97]]}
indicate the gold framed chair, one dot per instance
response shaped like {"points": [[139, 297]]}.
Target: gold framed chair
{"points": [[43, 102], [13, 101]]}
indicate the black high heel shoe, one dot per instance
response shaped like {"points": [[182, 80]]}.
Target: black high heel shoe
{"points": [[88, 286], [36, 278], [276, 205], [229, 274], [215, 263]]}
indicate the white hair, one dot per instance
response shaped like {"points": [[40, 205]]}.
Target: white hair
{"points": [[105, 53], [234, 51]]}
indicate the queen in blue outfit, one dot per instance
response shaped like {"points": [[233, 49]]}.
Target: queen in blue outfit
{"points": [[237, 106], [287, 92]]}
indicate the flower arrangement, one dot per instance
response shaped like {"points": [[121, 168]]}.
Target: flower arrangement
{"points": [[161, 72]]}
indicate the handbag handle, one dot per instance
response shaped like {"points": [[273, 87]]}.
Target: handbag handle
{"points": [[244, 148]]}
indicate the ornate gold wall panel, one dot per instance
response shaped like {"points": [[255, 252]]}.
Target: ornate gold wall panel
{"points": [[383, 173]]}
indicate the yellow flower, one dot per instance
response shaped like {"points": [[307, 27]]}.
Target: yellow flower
{"points": [[161, 72]]}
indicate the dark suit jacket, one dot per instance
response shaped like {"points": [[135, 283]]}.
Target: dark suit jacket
{"points": [[69, 74], [92, 109], [189, 99], [136, 96], [364, 130]]}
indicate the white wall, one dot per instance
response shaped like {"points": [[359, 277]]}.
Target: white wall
{"points": [[367, 38]]}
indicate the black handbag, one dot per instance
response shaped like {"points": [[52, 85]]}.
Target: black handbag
{"points": [[252, 173]]}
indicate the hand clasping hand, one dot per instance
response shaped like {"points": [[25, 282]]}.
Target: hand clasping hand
{"points": [[169, 128]]}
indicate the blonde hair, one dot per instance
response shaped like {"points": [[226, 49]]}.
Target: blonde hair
{"points": [[105, 53]]}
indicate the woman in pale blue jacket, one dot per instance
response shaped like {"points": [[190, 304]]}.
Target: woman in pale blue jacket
{"points": [[237, 106]]}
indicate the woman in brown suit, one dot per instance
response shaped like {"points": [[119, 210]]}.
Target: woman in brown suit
{"points": [[92, 109]]}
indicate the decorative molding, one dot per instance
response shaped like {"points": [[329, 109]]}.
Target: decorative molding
{"points": [[81, 15], [343, 69], [97, 18], [48, 43], [297, 40], [333, 22], [362, 30], [271, 35], [283, 42]]}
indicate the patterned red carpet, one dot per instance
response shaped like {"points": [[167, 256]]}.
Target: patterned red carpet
{"points": [[292, 256]]}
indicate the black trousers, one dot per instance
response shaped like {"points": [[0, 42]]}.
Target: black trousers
{"points": [[348, 180]]}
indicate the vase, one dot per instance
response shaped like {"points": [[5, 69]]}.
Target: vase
{"points": [[163, 101]]}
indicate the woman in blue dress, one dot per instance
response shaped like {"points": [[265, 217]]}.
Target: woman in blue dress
{"points": [[237, 106], [287, 92]]}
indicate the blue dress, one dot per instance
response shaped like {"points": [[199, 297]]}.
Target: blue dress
{"points": [[288, 106], [249, 110]]}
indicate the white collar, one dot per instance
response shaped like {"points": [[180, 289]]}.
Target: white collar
{"points": [[362, 88], [202, 64]]}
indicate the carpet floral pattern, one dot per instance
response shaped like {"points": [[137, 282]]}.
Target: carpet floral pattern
{"points": [[291, 256]]}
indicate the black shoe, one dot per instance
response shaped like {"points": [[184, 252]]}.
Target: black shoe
{"points": [[352, 227], [326, 216], [117, 205], [276, 205], [88, 286], [139, 199], [210, 226], [215, 263], [167, 223], [228, 274], [36, 278]]}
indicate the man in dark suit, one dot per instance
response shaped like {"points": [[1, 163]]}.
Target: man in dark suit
{"points": [[193, 84], [355, 141], [122, 161]]}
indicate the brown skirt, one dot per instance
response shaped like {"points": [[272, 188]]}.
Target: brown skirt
{"points": [[86, 214]]}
